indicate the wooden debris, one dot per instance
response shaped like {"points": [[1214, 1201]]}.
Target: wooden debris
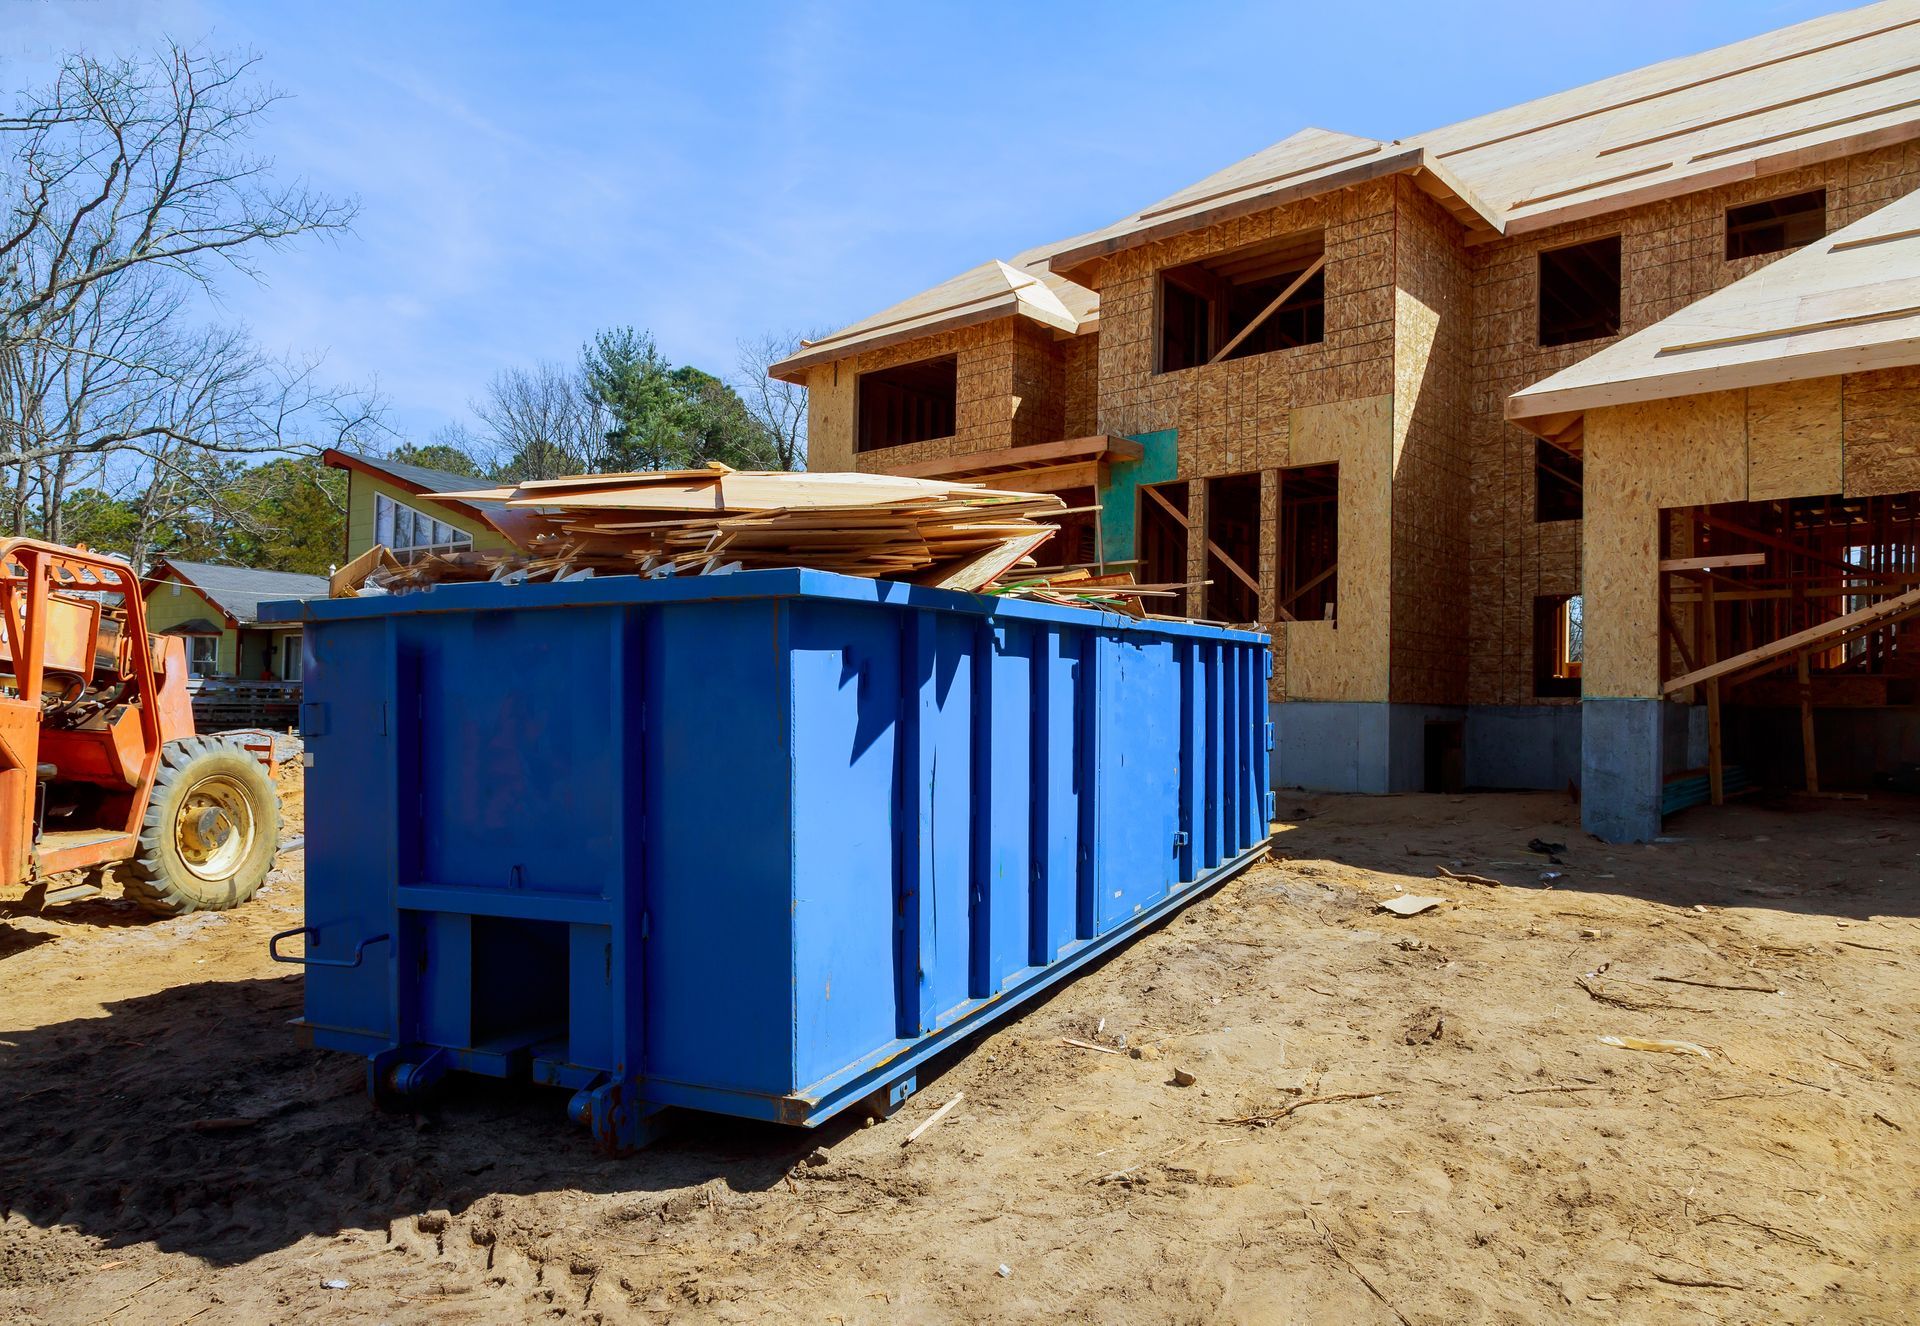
{"points": [[1089, 1045], [711, 521], [933, 1118]]}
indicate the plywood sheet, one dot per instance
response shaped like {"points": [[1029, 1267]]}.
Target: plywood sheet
{"points": [[1348, 659], [1793, 439], [830, 417], [1640, 458], [1881, 431]]}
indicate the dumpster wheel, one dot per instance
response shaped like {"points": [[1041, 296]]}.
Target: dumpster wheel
{"points": [[210, 833]]}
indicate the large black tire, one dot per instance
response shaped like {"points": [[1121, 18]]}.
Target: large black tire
{"points": [[210, 834]]}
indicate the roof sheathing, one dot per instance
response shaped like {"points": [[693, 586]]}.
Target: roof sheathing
{"points": [[1844, 304], [1828, 87], [990, 291]]}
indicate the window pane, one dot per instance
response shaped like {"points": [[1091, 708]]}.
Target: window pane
{"points": [[383, 519]]}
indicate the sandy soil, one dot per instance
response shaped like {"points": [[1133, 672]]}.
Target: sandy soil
{"points": [[1392, 1119]]}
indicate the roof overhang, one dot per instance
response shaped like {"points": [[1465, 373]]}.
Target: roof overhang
{"points": [[1023, 295], [1078, 262]]}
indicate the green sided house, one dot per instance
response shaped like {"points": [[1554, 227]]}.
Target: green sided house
{"points": [[217, 609], [385, 506]]}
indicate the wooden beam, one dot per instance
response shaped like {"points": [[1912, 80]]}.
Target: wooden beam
{"points": [[1267, 312], [1783, 545], [1289, 600], [1827, 634], [1803, 673], [1212, 547], [1716, 768], [1715, 563], [1034, 455], [1050, 479]]}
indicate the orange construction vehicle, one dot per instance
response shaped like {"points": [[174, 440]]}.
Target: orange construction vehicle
{"points": [[100, 768]]}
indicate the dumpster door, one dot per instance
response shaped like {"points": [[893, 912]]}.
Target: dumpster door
{"points": [[1137, 777]]}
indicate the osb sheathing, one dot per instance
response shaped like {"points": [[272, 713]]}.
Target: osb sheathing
{"points": [[990, 359], [1347, 659], [1232, 416], [1881, 430], [1241, 416], [1431, 471], [1080, 371], [1672, 253], [1859, 434]]}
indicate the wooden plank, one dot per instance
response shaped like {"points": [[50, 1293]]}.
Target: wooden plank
{"points": [[1293, 288], [1717, 562], [1212, 547], [1828, 633], [1716, 768], [1803, 671], [1039, 455]]}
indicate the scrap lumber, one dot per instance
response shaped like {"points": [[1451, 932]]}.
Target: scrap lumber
{"points": [[938, 533]]}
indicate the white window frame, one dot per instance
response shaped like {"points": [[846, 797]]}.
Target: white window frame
{"points": [[409, 532], [198, 666]]}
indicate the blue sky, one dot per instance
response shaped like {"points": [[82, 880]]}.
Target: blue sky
{"points": [[528, 174]]}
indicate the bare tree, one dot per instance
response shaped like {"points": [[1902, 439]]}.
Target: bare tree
{"points": [[778, 407], [128, 187], [541, 423]]}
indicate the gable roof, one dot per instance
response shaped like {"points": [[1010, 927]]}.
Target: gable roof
{"points": [[994, 289], [1820, 89], [238, 591], [1843, 304]]}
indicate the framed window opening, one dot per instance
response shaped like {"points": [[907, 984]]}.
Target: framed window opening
{"points": [[290, 658], [1776, 225], [1559, 645], [1307, 567], [1251, 301], [915, 402], [1580, 292], [1161, 540], [1233, 548], [1557, 483]]}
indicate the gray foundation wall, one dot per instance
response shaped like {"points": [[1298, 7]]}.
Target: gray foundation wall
{"points": [[1523, 747]]}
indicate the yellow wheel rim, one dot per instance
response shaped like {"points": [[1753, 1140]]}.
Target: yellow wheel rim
{"points": [[213, 829]]}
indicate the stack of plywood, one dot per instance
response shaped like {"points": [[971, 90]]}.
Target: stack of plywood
{"points": [[698, 522]]}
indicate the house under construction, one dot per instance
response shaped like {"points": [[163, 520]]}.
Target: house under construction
{"points": [[1576, 444]]}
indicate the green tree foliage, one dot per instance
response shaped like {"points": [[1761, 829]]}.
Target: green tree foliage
{"points": [[439, 456], [662, 417]]}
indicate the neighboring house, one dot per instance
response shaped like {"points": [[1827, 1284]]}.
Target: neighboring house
{"points": [[385, 506], [217, 610], [1286, 386]]}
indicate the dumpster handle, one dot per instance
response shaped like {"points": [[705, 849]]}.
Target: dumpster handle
{"points": [[359, 951]]}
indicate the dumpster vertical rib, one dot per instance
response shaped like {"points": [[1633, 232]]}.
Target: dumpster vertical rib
{"points": [[1192, 753], [1216, 721], [1088, 709], [980, 897]]}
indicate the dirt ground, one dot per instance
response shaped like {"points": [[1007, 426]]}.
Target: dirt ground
{"points": [[1392, 1119]]}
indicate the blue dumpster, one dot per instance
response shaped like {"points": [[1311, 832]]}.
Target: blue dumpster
{"points": [[756, 844]]}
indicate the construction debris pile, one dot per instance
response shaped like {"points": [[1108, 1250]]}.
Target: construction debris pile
{"points": [[717, 520]]}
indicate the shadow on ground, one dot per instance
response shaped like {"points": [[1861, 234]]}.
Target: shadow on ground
{"points": [[193, 1119], [1845, 859]]}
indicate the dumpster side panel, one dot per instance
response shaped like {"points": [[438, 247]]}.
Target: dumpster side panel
{"points": [[351, 863], [1003, 813], [846, 748], [719, 855], [524, 766], [937, 881]]}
